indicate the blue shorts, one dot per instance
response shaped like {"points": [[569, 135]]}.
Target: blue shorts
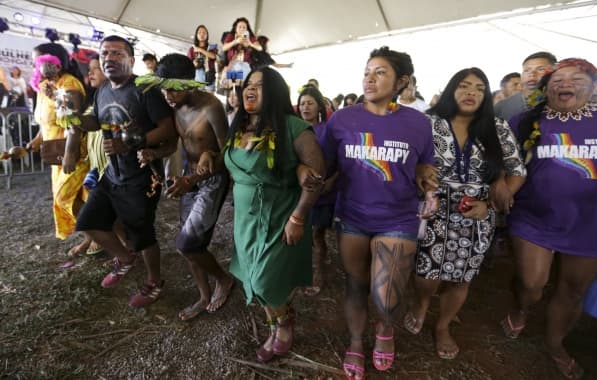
{"points": [[346, 228]]}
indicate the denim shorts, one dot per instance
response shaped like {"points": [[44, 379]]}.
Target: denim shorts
{"points": [[346, 228]]}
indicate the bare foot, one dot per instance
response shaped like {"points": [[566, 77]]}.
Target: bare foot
{"points": [[445, 345], [220, 294], [79, 248], [192, 311], [412, 323], [317, 282], [94, 248]]}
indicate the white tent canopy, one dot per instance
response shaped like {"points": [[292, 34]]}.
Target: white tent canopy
{"points": [[290, 25], [496, 44]]}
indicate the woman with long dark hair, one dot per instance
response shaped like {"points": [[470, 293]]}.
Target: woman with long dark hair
{"points": [[472, 148], [376, 147], [272, 236], [238, 45], [555, 210], [203, 54]]}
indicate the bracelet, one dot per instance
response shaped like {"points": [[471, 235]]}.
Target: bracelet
{"points": [[296, 220]]}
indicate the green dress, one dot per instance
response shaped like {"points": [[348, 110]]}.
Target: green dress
{"points": [[268, 268]]}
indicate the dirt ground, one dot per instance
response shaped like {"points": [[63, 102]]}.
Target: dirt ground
{"points": [[60, 324]]}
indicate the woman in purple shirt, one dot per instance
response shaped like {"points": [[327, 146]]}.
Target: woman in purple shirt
{"points": [[556, 208], [376, 147]]}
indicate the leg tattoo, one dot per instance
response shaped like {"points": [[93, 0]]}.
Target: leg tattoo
{"points": [[391, 273]]}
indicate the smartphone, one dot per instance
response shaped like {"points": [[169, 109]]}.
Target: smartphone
{"points": [[462, 205]]}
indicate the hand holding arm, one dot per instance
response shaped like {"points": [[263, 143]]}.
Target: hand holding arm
{"points": [[180, 186], [309, 154], [479, 210], [426, 177], [309, 179]]}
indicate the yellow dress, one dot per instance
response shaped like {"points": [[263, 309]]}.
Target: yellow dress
{"points": [[66, 188]]}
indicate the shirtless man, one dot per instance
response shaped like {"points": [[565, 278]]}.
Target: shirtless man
{"points": [[202, 125]]}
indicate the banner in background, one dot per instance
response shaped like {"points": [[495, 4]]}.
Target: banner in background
{"points": [[17, 51]]}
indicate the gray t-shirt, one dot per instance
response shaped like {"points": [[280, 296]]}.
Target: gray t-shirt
{"points": [[510, 107], [126, 105]]}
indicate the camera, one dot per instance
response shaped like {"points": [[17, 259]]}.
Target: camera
{"points": [[200, 60]]}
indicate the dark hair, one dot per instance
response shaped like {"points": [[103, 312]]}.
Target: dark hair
{"points": [[360, 99], [127, 44], [196, 40], [263, 40], [351, 96], [239, 94], [242, 19], [68, 65], [482, 128], [314, 81], [275, 107], [149, 57], [541, 55], [15, 67], [507, 78], [176, 66], [315, 94], [400, 62]]}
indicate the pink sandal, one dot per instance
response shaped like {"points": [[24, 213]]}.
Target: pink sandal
{"points": [[387, 356], [509, 329], [352, 370]]}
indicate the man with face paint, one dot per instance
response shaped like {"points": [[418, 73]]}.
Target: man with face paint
{"points": [[131, 118]]}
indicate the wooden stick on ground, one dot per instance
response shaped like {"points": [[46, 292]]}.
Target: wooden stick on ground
{"points": [[267, 367], [121, 341], [308, 363], [255, 335], [107, 333]]}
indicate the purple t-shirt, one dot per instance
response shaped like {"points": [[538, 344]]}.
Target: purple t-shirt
{"points": [[556, 208], [376, 157]]}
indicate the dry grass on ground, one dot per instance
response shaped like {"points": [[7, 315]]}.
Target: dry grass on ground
{"points": [[60, 324]]}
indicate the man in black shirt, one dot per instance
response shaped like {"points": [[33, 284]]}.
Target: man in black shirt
{"points": [[126, 192]]}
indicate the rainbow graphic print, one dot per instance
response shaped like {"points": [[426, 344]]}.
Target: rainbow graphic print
{"points": [[584, 166], [381, 168]]}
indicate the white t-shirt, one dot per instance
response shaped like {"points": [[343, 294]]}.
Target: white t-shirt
{"points": [[418, 104]]}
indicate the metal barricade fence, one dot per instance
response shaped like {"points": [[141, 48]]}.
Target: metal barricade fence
{"points": [[17, 129]]}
